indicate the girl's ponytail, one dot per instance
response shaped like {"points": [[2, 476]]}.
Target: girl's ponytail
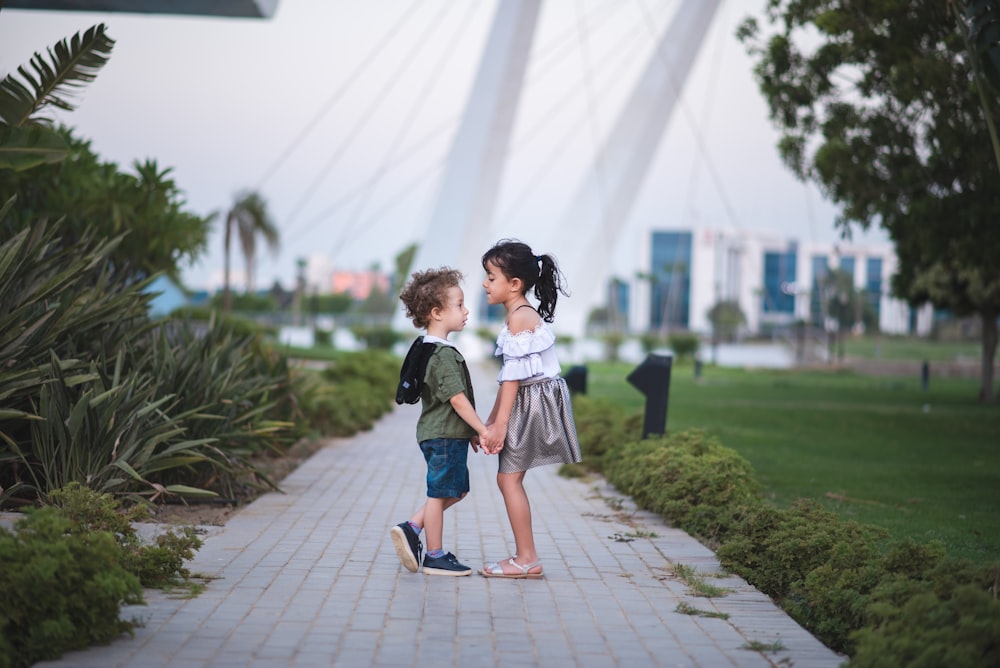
{"points": [[516, 260], [550, 283]]}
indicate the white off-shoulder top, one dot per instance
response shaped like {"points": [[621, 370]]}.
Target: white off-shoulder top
{"points": [[530, 354]]}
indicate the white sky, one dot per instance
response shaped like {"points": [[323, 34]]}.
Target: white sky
{"points": [[378, 88]]}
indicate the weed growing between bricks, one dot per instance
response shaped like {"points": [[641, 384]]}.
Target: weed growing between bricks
{"points": [[879, 601]]}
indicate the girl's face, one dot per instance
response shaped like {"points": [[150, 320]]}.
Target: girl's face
{"points": [[498, 287]]}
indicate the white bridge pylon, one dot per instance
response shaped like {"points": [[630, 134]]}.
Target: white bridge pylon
{"points": [[599, 214], [461, 226]]}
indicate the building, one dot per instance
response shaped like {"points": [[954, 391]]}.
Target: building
{"points": [[359, 284], [776, 282]]}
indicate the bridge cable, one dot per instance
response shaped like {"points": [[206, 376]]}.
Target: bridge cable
{"points": [[366, 117], [333, 99]]}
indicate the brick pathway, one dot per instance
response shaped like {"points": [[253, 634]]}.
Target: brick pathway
{"points": [[310, 578]]}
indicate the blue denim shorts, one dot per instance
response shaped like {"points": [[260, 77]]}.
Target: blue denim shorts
{"points": [[447, 471]]}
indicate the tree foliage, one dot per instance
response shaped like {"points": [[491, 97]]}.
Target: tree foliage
{"points": [[877, 103], [727, 318], [26, 138], [96, 198]]}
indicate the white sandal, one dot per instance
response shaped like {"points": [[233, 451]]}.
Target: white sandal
{"points": [[496, 570]]}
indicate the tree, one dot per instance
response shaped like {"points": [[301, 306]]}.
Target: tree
{"points": [[26, 136], [249, 218], [877, 103], [403, 261], [726, 317], [979, 22]]}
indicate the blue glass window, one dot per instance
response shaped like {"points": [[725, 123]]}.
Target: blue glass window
{"points": [[873, 284], [779, 282], [670, 297]]}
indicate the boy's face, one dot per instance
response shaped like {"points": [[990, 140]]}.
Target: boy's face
{"points": [[454, 314]]}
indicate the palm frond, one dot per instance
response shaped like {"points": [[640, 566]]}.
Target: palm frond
{"points": [[71, 64], [22, 148]]}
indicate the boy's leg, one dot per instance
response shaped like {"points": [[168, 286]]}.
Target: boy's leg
{"points": [[418, 517], [447, 483], [434, 522]]}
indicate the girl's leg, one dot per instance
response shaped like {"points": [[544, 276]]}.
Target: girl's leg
{"points": [[519, 512]]}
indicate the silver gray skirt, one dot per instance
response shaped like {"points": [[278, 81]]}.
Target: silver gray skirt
{"points": [[541, 429]]}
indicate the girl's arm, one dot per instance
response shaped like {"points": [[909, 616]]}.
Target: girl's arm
{"points": [[518, 321], [500, 415]]}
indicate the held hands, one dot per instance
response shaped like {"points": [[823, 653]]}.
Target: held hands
{"points": [[492, 438]]}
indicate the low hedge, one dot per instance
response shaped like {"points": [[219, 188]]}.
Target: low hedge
{"points": [[69, 567], [881, 602], [61, 590], [350, 394]]}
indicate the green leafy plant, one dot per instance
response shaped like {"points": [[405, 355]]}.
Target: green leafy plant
{"points": [[106, 430], [68, 588], [684, 345], [689, 478], [157, 562], [25, 138], [236, 402]]}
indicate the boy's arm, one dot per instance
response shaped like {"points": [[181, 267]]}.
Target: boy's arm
{"points": [[467, 412]]}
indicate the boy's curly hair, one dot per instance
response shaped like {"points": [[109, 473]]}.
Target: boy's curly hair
{"points": [[428, 290]]}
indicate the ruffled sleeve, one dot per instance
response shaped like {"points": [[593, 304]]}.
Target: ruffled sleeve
{"points": [[522, 353]]}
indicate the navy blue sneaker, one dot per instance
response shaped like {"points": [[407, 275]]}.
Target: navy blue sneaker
{"points": [[407, 544], [446, 564]]}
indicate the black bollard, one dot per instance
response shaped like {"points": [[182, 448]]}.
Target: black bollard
{"points": [[576, 379], [652, 378], [925, 375], [697, 369]]}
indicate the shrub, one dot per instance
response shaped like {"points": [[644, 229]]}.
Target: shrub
{"points": [[600, 427], [377, 337], [322, 338], [684, 345], [820, 567], [776, 548], [650, 341], [885, 604], [155, 563], [688, 478], [958, 629], [350, 394], [61, 589], [59, 302], [233, 398]]}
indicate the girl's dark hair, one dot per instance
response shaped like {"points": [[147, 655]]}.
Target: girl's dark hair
{"points": [[516, 260]]}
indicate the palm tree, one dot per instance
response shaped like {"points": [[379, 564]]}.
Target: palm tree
{"points": [[26, 136], [250, 218]]}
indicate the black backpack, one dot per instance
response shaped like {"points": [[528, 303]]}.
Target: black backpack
{"points": [[411, 374]]}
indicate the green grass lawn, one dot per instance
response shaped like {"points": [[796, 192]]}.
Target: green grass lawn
{"points": [[879, 450], [911, 348]]}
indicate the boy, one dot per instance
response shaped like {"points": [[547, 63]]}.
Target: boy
{"points": [[448, 420]]}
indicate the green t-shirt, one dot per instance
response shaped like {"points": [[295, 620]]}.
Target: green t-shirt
{"points": [[447, 375]]}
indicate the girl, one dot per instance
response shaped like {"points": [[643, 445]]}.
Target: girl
{"points": [[532, 418]]}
